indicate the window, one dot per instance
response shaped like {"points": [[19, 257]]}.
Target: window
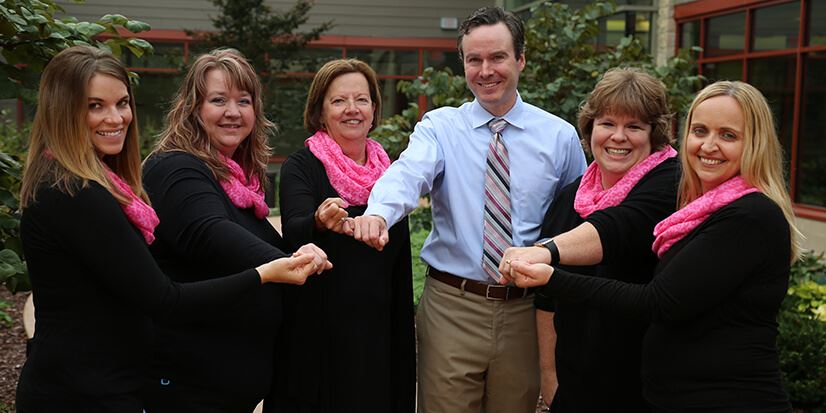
{"points": [[727, 70], [440, 59], [167, 55], [811, 160], [690, 35], [153, 95], [774, 77], [389, 62], [288, 114], [725, 35], [817, 23], [776, 27]]}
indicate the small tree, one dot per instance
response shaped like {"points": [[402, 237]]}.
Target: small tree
{"points": [[30, 35]]}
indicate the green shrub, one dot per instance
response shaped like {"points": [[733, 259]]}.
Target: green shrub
{"points": [[802, 344], [802, 335]]}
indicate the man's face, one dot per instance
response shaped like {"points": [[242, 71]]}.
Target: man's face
{"points": [[492, 67]]}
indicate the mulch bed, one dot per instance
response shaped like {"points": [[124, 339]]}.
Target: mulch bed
{"points": [[12, 348]]}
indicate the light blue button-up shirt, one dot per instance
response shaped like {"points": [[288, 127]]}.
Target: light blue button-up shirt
{"points": [[447, 157]]}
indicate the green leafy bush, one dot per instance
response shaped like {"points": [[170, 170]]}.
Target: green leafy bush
{"points": [[13, 273], [802, 335], [31, 34]]}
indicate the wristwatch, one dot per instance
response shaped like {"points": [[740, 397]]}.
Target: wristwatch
{"points": [[551, 246]]}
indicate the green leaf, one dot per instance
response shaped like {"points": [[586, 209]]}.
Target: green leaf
{"points": [[89, 29], [136, 26], [117, 19], [139, 47], [17, 20], [9, 257]]}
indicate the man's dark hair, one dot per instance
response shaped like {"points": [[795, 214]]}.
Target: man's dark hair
{"points": [[488, 16]]}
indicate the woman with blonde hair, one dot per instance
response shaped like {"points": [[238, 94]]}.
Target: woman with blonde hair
{"points": [[724, 266], [85, 228], [206, 180]]}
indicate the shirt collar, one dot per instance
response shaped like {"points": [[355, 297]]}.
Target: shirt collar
{"points": [[515, 117]]}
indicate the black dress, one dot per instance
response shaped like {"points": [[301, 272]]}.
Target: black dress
{"points": [[224, 364], [95, 288], [347, 343], [598, 352], [713, 303]]}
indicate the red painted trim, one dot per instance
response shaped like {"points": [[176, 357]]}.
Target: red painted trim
{"points": [[706, 8], [157, 35], [166, 35], [809, 212], [752, 55], [385, 42], [277, 159]]}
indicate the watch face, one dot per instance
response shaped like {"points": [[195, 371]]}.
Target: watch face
{"points": [[543, 242]]}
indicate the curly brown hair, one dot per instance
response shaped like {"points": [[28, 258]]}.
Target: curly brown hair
{"points": [[185, 130]]}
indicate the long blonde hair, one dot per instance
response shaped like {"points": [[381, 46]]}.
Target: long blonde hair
{"points": [[761, 163], [185, 130], [61, 152]]}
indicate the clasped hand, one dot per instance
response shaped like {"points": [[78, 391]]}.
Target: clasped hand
{"points": [[525, 266], [331, 215], [308, 260]]}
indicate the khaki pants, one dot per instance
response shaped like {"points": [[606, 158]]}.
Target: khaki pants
{"points": [[475, 355]]}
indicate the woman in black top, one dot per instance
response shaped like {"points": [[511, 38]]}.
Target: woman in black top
{"points": [[85, 227], [348, 341], [724, 266], [205, 180], [593, 355]]}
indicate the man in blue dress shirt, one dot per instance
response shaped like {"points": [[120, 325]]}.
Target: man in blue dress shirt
{"points": [[477, 340]]}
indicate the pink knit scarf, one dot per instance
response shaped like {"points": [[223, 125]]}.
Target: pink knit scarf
{"points": [[139, 213], [352, 181], [679, 224], [244, 191], [591, 197]]}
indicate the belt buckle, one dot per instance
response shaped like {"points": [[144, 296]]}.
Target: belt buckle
{"points": [[488, 289]]}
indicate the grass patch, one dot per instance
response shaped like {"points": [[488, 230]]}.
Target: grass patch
{"points": [[419, 268]]}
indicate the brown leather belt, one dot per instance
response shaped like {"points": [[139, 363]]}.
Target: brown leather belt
{"points": [[490, 291]]}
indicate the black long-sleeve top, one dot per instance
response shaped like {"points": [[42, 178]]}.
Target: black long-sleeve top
{"points": [[95, 287], [348, 334], [598, 352], [202, 235], [713, 304]]}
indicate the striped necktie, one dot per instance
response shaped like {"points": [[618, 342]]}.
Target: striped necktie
{"points": [[497, 235]]}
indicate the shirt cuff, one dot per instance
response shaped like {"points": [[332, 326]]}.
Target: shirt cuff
{"points": [[390, 216]]}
